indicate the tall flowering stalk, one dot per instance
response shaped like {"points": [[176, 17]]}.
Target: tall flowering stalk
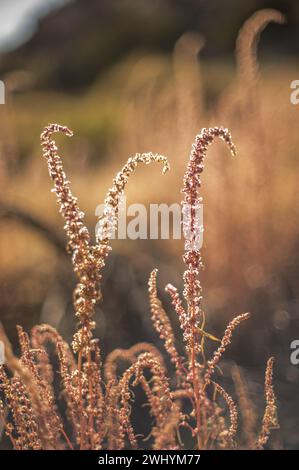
{"points": [[87, 260], [192, 256]]}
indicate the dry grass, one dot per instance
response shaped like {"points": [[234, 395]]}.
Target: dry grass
{"points": [[99, 410]]}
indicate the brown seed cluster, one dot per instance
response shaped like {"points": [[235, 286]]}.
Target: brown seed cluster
{"points": [[270, 416], [162, 323], [226, 340]]}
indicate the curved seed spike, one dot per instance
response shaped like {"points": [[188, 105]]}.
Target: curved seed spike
{"points": [[128, 355], [247, 42], [108, 221], [44, 334], [191, 186], [233, 413], [192, 180], [159, 396], [75, 228], [226, 340], [270, 416], [241, 98]]}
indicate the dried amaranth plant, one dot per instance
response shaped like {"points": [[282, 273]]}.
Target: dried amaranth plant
{"points": [[98, 398]]}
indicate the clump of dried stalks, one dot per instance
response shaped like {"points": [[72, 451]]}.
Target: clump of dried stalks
{"points": [[97, 398]]}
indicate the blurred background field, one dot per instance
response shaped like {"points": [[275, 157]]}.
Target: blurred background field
{"points": [[135, 76]]}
